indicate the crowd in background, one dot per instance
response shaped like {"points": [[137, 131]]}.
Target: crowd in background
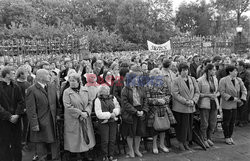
{"points": [[132, 90]]}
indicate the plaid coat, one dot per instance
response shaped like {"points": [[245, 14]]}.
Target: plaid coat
{"points": [[155, 92]]}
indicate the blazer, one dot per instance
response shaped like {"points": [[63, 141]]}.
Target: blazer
{"points": [[181, 94], [204, 87], [41, 111], [227, 89]]}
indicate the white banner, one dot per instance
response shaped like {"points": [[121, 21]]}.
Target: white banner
{"points": [[159, 47]]}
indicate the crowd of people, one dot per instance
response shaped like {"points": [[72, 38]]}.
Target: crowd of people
{"points": [[139, 94]]}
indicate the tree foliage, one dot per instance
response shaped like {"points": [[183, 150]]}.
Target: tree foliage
{"points": [[127, 22]]}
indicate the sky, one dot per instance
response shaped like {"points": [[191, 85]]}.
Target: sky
{"points": [[176, 4]]}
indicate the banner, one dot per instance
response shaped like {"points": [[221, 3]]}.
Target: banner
{"points": [[159, 47]]}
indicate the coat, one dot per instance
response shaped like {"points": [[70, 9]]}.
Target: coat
{"points": [[41, 111], [204, 87], [154, 94], [181, 94], [116, 90], [128, 110], [227, 89], [74, 104], [6, 109]]}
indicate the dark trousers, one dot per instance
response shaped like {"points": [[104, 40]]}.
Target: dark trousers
{"points": [[10, 145], [24, 127], [183, 127], [46, 151], [108, 137], [229, 118], [208, 122]]}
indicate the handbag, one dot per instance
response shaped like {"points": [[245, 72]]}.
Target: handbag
{"points": [[161, 122]]}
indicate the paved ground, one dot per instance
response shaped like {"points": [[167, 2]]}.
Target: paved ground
{"points": [[220, 152]]}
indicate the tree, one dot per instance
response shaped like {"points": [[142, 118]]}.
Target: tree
{"points": [[236, 6], [195, 18]]}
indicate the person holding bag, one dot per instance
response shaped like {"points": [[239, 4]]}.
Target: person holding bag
{"points": [[78, 130], [208, 103], [158, 96], [185, 94]]}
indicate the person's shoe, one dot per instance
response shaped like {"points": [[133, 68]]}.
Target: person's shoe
{"points": [[232, 141], [164, 149], [139, 154], [240, 125], [155, 151], [105, 159], [111, 158], [181, 147], [228, 141], [35, 158], [210, 142], [187, 147], [206, 144], [130, 155]]}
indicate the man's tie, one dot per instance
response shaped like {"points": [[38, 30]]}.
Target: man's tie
{"points": [[46, 88], [233, 81]]}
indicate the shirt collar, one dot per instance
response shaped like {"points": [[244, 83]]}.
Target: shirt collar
{"points": [[43, 85]]}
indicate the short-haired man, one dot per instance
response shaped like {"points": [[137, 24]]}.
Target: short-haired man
{"points": [[11, 107], [41, 104]]}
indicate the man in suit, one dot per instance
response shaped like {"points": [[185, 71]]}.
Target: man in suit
{"points": [[11, 108], [41, 104]]}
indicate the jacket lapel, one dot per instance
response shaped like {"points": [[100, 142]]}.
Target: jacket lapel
{"points": [[184, 85], [41, 89], [231, 85], [77, 97]]}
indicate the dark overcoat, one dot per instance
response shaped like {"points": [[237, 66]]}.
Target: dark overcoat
{"points": [[41, 110]]}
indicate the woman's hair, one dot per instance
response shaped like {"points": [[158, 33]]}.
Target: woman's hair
{"points": [[20, 71], [103, 89], [6, 70], [129, 77], [154, 71], [75, 76], [182, 66], [123, 72], [207, 68], [230, 68], [113, 65]]}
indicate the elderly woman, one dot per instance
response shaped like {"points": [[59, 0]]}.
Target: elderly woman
{"points": [[208, 104], [233, 94], [107, 109], [159, 96], [185, 94], [134, 109], [78, 130]]}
